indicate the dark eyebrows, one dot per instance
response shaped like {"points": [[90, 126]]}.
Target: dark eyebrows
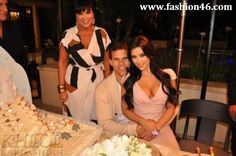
{"points": [[116, 58], [133, 56]]}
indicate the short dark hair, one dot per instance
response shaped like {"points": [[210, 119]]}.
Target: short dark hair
{"points": [[83, 6], [116, 45]]}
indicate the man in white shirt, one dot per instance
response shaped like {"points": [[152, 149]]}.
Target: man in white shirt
{"points": [[108, 96]]}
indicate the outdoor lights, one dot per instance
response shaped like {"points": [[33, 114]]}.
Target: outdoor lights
{"points": [[118, 20], [14, 15], [27, 11], [227, 30], [202, 34]]}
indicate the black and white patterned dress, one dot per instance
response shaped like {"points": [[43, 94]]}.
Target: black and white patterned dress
{"points": [[85, 71]]}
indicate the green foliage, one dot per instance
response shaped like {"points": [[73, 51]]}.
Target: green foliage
{"points": [[218, 70], [192, 72], [191, 69]]}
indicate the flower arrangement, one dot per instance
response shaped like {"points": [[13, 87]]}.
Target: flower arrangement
{"points": [[119, 146]]}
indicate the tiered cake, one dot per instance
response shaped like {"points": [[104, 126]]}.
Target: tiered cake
{"points": [[27, 131]]}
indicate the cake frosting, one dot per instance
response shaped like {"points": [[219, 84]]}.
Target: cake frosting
{"points": [[28, 131]]}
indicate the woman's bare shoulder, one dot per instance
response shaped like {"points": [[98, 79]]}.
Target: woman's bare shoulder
{"points": [[171, 72]]}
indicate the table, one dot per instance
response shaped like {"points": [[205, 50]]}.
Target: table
{"points": [[166, 151]]}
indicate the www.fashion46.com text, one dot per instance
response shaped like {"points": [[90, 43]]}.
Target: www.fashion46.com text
{"points": [[180, 6]]}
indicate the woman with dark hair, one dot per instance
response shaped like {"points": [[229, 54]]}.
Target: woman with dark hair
{"points": [[150, 98], [82, 59]]}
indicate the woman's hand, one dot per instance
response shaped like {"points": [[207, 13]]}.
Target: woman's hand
{"points": [[63, 97], [149, 125], [143, 134]]}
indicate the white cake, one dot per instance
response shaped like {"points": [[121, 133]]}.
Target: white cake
{"points": [[27, 131]]}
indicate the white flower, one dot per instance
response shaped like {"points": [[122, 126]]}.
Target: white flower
{"points": [[119, 146], [108, 145]]}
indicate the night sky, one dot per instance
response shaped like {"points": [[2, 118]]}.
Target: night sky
{"points": [[201, 20]]}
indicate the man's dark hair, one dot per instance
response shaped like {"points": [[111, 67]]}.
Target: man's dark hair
{"points": [[116, 45]]}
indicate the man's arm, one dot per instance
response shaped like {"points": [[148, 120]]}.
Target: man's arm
{"points": [[106, 114]]}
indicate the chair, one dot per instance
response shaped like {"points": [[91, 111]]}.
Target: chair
{"points": [[50, 51], [209, 113]]}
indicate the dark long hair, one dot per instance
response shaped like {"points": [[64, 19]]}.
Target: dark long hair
{"points": [[135, 73]]}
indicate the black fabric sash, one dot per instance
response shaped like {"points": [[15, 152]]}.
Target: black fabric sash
{"points": [[101, 47], [73, 51], [74, 76]]}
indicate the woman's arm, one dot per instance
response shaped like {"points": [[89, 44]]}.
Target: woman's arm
{"points": [[63, 58], [106, 63], [170, 111], [173, 83], [167, 116]]}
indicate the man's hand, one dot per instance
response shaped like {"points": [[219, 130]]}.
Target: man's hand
{"points": [[232, 112], [143, 134]]}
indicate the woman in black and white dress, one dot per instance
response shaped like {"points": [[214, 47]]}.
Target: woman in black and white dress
{"points": [[82, 63]]}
